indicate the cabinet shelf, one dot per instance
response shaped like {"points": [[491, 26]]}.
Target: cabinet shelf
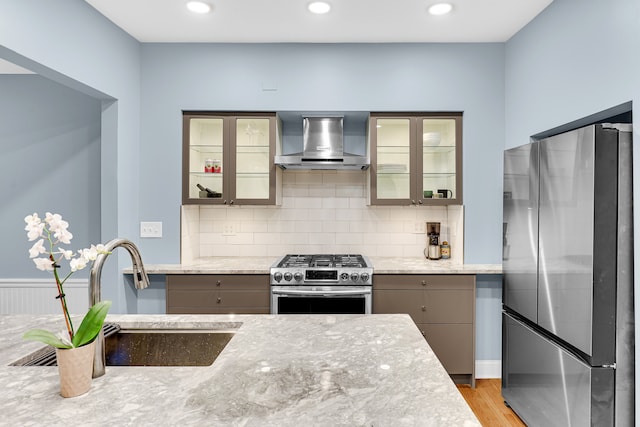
{"points": [[439, 175], [207, 148], [207, 175]]}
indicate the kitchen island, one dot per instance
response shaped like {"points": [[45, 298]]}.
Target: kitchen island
{"points": [[311, 370]]}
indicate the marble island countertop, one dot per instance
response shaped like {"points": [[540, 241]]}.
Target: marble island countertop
{"points": [[317, 370], [261, 265]]}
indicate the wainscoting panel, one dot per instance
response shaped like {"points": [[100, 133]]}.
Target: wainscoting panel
{"points": [[38, 296]]}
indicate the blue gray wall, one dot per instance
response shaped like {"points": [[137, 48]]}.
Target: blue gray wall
{"points": [[343, 77], [50, 144], [70, 43]]}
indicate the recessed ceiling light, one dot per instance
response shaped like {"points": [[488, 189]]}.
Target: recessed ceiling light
{"points": [[198, 7], [319, 7], [440, 8]]}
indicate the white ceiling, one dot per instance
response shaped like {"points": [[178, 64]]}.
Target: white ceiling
{"points": [[349, 21]]}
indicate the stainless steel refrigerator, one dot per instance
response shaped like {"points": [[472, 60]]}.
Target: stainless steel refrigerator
{"points": [[567, 330]]}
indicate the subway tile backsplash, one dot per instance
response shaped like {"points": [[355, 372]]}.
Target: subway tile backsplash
{"points": [[321, 212]]}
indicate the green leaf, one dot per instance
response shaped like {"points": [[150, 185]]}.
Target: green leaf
{"points": [[91, 324], [45, 337]]}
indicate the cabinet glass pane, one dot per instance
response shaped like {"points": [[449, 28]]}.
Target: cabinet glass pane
{"points": [[439, 155], [205, 156], [252, 158], [393, 159]]}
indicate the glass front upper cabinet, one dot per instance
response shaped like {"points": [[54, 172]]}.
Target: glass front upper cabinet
{"points": [[228, 158], [416, 159]]}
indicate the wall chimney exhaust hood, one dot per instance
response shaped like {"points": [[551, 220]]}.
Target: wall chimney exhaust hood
{"points": [[323, 147]]}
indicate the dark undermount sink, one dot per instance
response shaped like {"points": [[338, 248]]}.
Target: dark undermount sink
{"points": [[150, 347]]}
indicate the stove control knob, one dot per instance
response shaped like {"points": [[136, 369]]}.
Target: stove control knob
{"points": [[277, 276], [287, 276], [355, 277], [297, 276], [364, 277], [344, 277]]}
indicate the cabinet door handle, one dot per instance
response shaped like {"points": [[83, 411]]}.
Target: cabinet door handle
{"points": [[225, 202], [420, 201], [231, 202], [219, 300], [413, 202], [424, 308], [424, 283], [218, 283]]}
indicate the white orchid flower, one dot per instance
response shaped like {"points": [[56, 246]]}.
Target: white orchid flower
{"points": [[63, 236], [37, 249], [59, 227], [102, 249], [32, 220], [92, 253], [34, 226], [44, 264], [67, 254], [78, 263]]}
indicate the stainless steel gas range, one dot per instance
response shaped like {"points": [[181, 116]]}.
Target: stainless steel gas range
{"points": [[321, 284]]}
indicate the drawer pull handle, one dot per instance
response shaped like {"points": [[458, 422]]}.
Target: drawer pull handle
{"points": [[424, 308], [219, 300], [218, 283], [424, 283]]}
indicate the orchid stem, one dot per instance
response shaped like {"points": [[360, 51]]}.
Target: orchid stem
{"points": [[63, 300]]}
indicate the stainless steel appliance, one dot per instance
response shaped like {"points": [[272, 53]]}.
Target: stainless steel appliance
{"points": [[568, 333], [321, 284], [323, 139], [433, 232]]}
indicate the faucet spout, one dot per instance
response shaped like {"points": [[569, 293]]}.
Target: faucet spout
{"points": [[140, 279]]}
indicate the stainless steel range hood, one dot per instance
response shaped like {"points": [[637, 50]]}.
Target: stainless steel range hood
{"points": [[323, 148]]}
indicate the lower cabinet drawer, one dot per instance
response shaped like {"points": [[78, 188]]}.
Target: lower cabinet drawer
{"points": [[453, 344], [404, 301], [242, 298], [218, 294]]}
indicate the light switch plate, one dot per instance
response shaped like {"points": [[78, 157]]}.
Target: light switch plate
{"points": [[151, 229]]}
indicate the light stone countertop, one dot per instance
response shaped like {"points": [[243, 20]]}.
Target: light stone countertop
{"points": [[261, 265], [315, 370]]}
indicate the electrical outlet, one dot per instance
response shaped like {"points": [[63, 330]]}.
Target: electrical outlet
{"points": [[230, 228], [150, 229]]}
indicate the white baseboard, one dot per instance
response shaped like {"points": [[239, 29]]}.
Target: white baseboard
{"points": [[488, 369]]}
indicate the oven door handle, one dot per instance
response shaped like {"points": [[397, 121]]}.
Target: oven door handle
{"points": [[321, 292]]}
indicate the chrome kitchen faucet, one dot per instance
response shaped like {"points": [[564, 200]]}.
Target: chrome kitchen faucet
{"points": [[140, 279]]}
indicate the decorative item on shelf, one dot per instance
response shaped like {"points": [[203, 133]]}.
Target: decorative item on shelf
{"points": [[445, 250], [206, 192], [208, 166], [431, 138], [74, 349], [217, 166], [428, 194], [445, 193]]}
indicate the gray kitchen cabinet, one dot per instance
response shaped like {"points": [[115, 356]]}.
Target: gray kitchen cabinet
{"points": [[230, 155], [443, 308], [217, 293], [415, 159]]}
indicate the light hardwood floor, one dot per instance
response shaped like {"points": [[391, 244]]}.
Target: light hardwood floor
{"points": [[487, 403]]}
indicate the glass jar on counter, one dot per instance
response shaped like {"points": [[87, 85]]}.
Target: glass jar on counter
{"points": [[445, 250]]}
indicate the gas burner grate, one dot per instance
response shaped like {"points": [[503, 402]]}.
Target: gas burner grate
{"points": [[323, 260]]}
